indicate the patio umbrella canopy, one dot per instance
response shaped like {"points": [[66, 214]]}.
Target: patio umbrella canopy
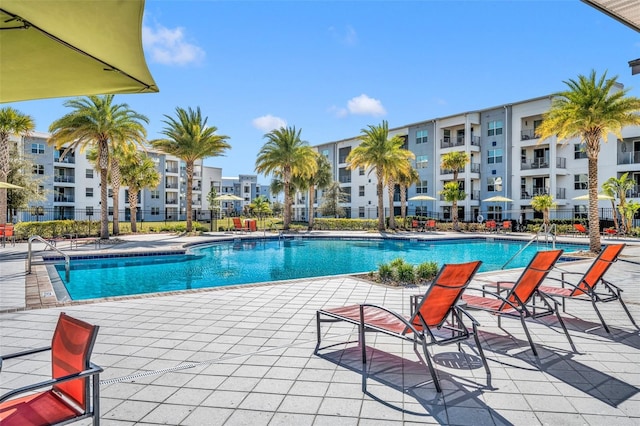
{"points": [[228, 197], [58, 48], [497, 199], [585, 197]]}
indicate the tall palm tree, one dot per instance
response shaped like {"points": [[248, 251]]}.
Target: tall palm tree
{"points": [[97, 122], [138, 171], [12, 121], [286, 156], [188, 137], [455, 161], [590, 109], [377, 152], [618, 187], [452, 194], [321, 179], [405, 180], [399, 163]]}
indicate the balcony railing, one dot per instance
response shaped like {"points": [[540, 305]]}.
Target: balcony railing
{"points": [[448, 142], [537, 163], [475, 167], [531, 192], [68, 159], [171, 186], [450, 171], [475, 140], [561, 162], [629, 157], [475, 195], [528, 134], [65, 179], [58, 198], [561, 193], [344, 179], [171, 201], [171, 170], [634, 192]]}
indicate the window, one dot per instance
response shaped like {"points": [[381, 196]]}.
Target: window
{"points": [[88, 173], [361, 171], [325, 153], [361, 190], [88, 192], [422, 136], [579, 151], [446, 135], [494, 213], [110, 193], [247, 189], [495, 128], [422, 161], [37, 148], [155, 194], [421, 188], [494, 156], [523, 156], [361, 212], [155, 211], [38, 169], [343, 153], [581, 182], [344, 175], [346, 192], [580, 211], [494, 184], [88, 211], [110, 211]]}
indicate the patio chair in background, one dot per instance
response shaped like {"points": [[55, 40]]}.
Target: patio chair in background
{"points": [[580, 229], [73, 391], [506, 226], [491, 226], [586, 289], [239, 226], [437, 319], [7, 233], [431, 225], [519, 302]]}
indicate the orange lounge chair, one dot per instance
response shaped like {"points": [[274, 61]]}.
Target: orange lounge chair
{"points": [[516, 303], [491, 226], [6, 232], [437, 318], [586, 288], [238, 226], [73, 392], [580, 229], [506, 226], [431, 225]]}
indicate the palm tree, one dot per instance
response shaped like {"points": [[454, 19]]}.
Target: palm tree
{"points": [[189, 138], [96, 122], [399, 163], [405, 180], [138, 171], [321, 179], [12, 121], [377, 152], [618, 187], [590, 109], [452, 193], [543, 203], [455, 161], [286, 156]]}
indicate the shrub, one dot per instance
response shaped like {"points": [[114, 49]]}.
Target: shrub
{"points": [[397, 263], [405, 273], [427, 271], [385, 272]]}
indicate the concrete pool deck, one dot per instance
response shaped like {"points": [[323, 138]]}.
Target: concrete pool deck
{"points": [[245, 355]]}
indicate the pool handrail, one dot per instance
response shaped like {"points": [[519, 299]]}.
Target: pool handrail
{"points": [[67, 258]]}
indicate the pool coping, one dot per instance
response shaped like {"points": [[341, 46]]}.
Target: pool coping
{"points": [[41, 290]]}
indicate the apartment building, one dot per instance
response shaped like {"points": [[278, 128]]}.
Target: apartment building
{"points": [[71, 186], [506, 159]]}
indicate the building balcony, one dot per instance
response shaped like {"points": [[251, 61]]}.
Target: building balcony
{"points": [[530, 192], [629, 157], [448, 142], [171, 201], [475, 167], [450, 171], [64, 179], [67, 159], [475, 195], [527, 134], [171, 170], [561, 193], [60, 198]]}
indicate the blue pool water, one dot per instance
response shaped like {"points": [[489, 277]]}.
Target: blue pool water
{"points": [[244, 262]]}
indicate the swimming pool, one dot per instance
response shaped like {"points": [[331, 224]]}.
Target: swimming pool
{"points": [[261, 260]]}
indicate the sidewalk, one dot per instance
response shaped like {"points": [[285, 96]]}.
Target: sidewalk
{"points": [[244, 355]]}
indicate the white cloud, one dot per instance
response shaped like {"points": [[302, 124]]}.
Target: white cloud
{"points": [[348, 37], [268, 122], [364, 105], [168, 46]]}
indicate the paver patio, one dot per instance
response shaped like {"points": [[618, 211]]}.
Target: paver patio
{"points": [[245, 355]]}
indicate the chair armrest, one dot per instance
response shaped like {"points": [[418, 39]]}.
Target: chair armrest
{"points": [[92, 371], [467, 314], [496, 295], [22, 353]]}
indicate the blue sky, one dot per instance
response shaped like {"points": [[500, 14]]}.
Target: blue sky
{"points": [[331, 68]]}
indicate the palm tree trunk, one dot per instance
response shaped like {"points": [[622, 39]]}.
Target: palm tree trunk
{"points": [[594, 218], [115, 185], [103, 164], [615, 215], [133, 208], [380, 193], [4, 172], [312, 190], [286, 217], [392, 218], [189, 195]]}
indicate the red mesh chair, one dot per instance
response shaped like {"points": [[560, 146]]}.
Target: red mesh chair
{"points": [[587, 287], [580, 229], [517, 301], [238, 226], [431, 225], [436, 320], [491, 226], [73, 391], [506, 226]]}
